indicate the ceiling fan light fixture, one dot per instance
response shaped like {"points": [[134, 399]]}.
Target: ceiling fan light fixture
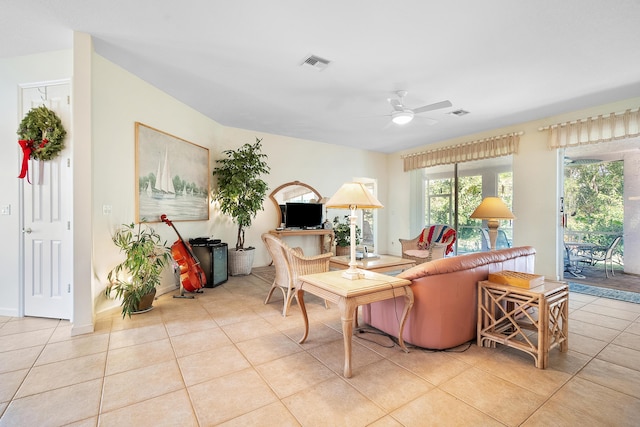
{"points": [[401, 117]]}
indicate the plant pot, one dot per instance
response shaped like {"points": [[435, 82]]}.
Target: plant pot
{"points": [[240, 262], [343, 250], [146, 303]]}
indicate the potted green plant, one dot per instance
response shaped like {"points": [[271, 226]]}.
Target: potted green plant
{"points": [[135, 279], [342, 233], [241, 192]]}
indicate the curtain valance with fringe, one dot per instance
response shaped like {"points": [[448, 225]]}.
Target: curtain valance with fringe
{"points": [[487, 148], [592, 130]]}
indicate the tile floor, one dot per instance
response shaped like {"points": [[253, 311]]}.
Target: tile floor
{"points": [[225, 358]]}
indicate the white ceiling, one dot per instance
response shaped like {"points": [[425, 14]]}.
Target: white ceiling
{"points": [[238, 62]]}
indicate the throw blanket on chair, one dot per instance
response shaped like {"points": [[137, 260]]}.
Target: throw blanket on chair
{"points": [[437, 234]]}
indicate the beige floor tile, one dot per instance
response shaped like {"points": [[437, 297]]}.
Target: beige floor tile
{"points": [[634, 328], [614, 312], [136, 336], [628, 340], [172, 409], [557, 415], [77, 347], [586, 345], [437, 408], [62, 374], [136, 321], [573, 296], [228, 397], [614, 376], [184, 325], [268, 347], [227, 315], [20, 325], [332, 403], [25, 339], [488, 393], [386, 421], [197, 342], [605, 321], [435, 367], [243, 331], [214, 363], [519, 368], [87, 422], [619, 305], [293, 373], [601, 405], [332, 355], [388, 385], [622, 356], [275, 414], [592, 331], [130, 387], [19, 359], [55, 407], [10, 382], [319, 334], [138, 356]]}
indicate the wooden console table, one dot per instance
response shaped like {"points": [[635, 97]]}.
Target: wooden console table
{"points": [[349, 294], [321, 233], [505, 314]]}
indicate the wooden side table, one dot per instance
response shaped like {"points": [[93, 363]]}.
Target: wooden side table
{"points": [[348, 295], [506, 313]]}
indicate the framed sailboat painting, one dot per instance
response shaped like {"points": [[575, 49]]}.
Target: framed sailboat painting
{"points": [[172, 177]]}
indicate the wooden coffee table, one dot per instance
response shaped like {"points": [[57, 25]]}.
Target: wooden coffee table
{"points": [[380, 264], [348, 295]]}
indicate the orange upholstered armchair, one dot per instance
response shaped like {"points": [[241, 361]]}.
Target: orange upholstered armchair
{"points": [[435, 241]]}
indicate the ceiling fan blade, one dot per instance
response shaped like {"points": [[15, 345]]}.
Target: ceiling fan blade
{"points": [[396, 104], [431, 107]]}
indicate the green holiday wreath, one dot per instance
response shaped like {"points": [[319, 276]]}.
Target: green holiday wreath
{"points": [[41, 134]]}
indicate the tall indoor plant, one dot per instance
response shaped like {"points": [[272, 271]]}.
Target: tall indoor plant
{"points": [[135, 279], [241, 192]]}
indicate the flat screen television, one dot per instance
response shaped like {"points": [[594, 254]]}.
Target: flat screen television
{"points": [[303, 215]]}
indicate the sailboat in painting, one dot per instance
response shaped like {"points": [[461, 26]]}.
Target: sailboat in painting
{"points": [[164, 183]]}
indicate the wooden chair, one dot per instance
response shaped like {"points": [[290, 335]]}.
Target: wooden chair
{"points": [[433, 242], [290, 263]]}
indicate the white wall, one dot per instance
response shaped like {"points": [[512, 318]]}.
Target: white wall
{"points": [[13, 72], [631, 213]]}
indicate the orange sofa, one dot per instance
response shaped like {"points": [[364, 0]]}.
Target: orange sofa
{"points": [[445, 297]]}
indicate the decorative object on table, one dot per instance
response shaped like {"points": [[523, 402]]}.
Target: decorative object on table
{"points": [[342, 233], [353, 195], [241, 192], [172, 176], [433, 242], [135, 279], [192, 277], [41, 137], [492, 209], [516, 278]]}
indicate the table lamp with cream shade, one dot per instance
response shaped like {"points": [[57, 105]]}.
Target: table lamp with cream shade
{"points": [[492, 209], [353, 195]]}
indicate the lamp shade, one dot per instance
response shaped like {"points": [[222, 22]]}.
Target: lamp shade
{"points": [[492, 208], [401, 117], [353, 195]]}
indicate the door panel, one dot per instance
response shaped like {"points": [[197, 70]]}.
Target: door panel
{"points": [[47, 200]]}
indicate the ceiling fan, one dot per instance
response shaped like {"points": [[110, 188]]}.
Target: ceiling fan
{"points": [[402, 115]]}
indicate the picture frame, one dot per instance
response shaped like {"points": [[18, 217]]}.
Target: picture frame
{"points": [[172, 177]]}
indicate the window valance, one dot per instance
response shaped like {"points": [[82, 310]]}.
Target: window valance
{"points": [[592, 130], [487, 148]]}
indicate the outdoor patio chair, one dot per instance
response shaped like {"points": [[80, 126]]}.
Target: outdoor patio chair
{"points": [[290, 263], [572, 262], [605, 255]]}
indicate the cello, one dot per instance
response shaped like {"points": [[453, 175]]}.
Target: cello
{"points": [[192, 277]]}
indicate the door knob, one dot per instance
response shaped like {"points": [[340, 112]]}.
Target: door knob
{"points": [[27, 230]]}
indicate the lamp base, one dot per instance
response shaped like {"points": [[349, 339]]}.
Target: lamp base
{"points": [[352, 274]]}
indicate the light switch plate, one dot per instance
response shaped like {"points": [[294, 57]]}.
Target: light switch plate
{"points": [[5, 209]]}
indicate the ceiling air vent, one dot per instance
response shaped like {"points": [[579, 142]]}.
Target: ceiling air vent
{"points": [[459, 112], [315, 62]]}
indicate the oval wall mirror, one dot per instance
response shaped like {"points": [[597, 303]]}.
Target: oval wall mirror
{"points": [[294, 191]]}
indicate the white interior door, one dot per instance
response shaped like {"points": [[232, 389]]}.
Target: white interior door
{"points": [[47, 202]]}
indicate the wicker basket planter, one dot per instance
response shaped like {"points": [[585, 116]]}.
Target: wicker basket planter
{"points": [[343, 250], [241, 261]]}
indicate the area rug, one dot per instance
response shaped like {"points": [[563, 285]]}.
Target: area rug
{"points": [[268, 273], [605, 292]]}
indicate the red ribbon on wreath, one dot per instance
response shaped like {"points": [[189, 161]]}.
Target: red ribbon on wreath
{"points": [[27, 148]]}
